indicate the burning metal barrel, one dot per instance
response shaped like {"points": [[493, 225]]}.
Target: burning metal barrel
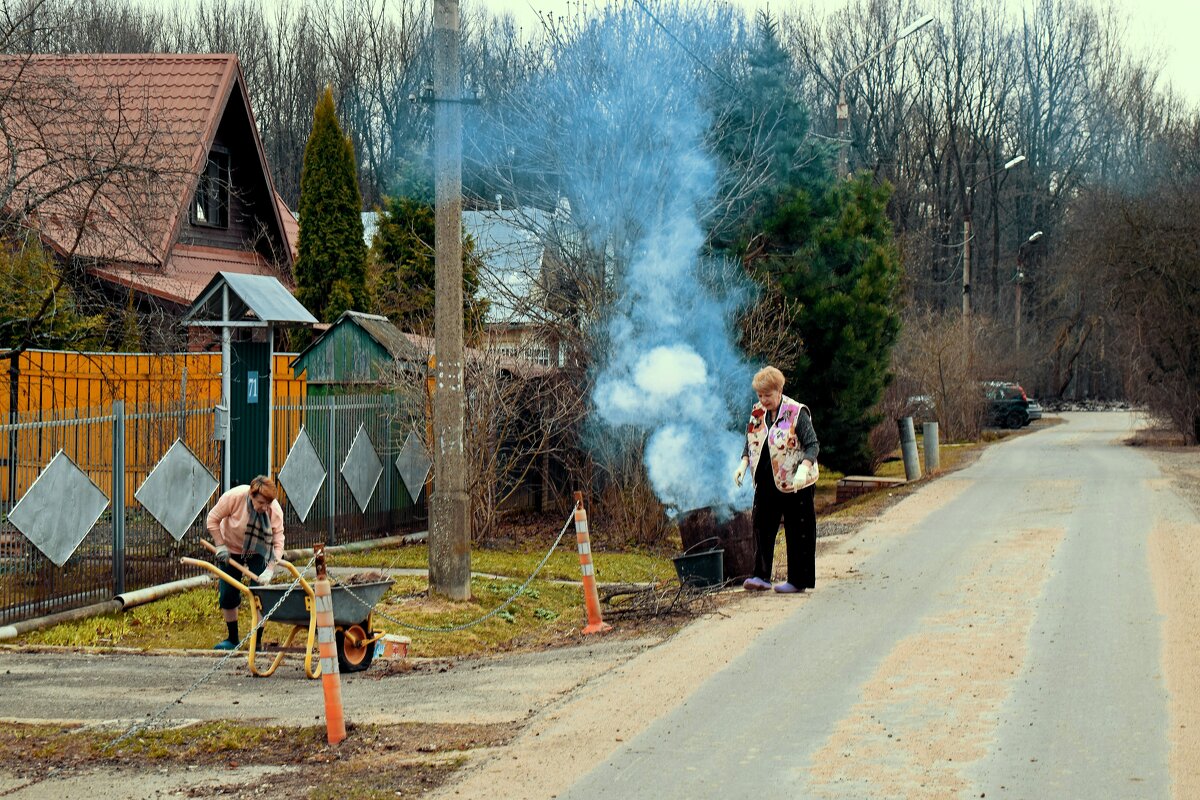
{"points": [[734, 535]]}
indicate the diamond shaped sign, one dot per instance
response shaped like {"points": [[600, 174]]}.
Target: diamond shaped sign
{"points": [[177, 489], [59, 509], [302, 475], [362, 468], [413, 464]]}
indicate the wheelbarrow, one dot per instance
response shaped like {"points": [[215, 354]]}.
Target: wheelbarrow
{"points": [[353, 609]]}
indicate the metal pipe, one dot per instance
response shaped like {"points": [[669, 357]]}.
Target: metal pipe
{"points": [[151, 593], [933, 459], [908, 449], [37, 623]]}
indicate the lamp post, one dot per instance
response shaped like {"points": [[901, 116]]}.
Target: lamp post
{"points": [[1020, 278], [968, 202], [843, 108]]}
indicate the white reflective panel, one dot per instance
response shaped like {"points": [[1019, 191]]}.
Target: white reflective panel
{"points": [[177, 489], [413, 464], [59, 509], [302, 475], [362, 468]]}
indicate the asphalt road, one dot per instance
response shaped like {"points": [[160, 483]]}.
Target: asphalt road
{"points": [[1006, 645]]}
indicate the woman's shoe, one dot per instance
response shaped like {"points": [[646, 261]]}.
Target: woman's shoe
{"points": [[787, 588], [755, 585], [226, 644]]}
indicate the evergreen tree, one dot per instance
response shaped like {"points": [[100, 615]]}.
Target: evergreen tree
{"points": [[38, 308], [836, 258], [763, 131], [331, 270], [402, 268]]}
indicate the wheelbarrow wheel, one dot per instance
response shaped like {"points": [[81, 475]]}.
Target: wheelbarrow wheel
{"points": [[354, 654]]}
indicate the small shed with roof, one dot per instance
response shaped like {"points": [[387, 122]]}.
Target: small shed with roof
{"points": [[359, 353]]}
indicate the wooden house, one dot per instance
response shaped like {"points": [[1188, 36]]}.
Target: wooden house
{"points": [[144, 174]]}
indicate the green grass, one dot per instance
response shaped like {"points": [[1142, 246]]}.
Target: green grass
{"points": [[545, 612], [563, 564]]}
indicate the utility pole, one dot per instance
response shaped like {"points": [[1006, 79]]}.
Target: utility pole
{"points": [[450, 520]]}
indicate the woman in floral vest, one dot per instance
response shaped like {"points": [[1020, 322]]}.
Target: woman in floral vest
{"points": [[782, 446]]}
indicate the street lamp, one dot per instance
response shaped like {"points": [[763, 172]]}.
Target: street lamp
{"points": [[968, 202], [843, 108], [1020, 278]]}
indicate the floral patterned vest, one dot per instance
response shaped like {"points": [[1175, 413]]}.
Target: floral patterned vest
{"points": [[782, 443]]}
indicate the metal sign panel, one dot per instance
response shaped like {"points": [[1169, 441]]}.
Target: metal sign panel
{"points": [[177, 489], [59, 509], [302, 475], [362, 468], [413, 464]]}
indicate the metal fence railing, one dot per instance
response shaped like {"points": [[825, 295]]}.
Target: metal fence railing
{"points": [[117, 447]]}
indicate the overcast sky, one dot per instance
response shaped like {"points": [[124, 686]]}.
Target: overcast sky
{"points": [[1168, 28]]}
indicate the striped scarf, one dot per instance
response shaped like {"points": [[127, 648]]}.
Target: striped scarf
{"points": [[257, 529]]}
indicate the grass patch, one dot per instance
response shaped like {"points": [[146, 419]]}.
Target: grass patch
{"points": [[546, 613], [563, 564]]}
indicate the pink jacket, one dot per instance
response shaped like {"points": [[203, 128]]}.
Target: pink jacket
{"points": [[228, 520]]}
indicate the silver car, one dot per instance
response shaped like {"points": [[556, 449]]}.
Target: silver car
{"points": [[1034, 410]]}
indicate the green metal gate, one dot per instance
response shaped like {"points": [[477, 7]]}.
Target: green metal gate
{"points": [[250, 411]]}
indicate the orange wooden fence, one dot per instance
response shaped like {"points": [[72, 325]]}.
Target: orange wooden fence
{"points": [[55, 385]]}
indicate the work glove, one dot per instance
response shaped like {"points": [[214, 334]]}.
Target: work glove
{"points": [[266, 576], [805, 476], [222, 554], [740, 473]]}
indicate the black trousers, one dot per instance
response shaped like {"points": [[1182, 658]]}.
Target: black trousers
{"points": [[229, 597], [799, 529]]}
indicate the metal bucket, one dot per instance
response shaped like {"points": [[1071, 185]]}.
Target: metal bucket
{"points": [[701, 570]]}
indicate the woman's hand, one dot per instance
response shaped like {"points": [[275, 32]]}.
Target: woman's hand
{"points": [[266, 576], [740, 473], [222, 554]]}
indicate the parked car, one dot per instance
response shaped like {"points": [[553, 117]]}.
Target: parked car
{"points": [[1007, 404], [1034, 409]]}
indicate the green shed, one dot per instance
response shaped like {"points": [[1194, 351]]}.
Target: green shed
{"points": [[359, 354]]}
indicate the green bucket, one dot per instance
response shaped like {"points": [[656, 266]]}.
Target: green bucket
{"points": [[701, 570]]}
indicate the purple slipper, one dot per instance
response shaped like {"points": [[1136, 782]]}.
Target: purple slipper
{"points": [[755, 584]]}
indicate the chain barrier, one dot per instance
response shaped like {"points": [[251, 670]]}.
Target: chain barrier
{"points": [[485, 617], [143, 725]]}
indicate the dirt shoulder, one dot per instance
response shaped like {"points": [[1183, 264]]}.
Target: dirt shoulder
{"points": [[1174, 554]]}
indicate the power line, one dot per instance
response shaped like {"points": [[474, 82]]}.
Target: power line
{"points": [[683, 46]]}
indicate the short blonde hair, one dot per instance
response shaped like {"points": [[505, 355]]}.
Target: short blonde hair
{"points": [[768, 379], [264, 487]]}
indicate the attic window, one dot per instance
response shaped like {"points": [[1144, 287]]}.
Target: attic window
{"points": [[210, 207]]}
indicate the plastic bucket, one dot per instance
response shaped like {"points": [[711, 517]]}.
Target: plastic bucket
{"points": [[701, 569]]}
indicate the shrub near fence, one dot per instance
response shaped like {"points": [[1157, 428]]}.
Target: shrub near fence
{"points": [[127, 548]]}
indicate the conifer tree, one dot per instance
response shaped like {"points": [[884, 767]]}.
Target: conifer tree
{"points": [[836, 259], [331, 269], [402, 268]]}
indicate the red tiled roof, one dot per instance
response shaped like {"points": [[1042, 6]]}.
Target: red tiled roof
{"points": [[115, 141], [291, 226], [188, 271]]}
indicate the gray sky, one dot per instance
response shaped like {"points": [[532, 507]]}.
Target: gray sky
{"points": [[1168, 28]]}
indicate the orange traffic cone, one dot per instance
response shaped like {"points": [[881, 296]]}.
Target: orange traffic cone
{"points": [[591, 599], [331, 679]]}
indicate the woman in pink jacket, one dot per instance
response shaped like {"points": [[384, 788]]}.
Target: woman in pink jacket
{"points": [[246, 525]]}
